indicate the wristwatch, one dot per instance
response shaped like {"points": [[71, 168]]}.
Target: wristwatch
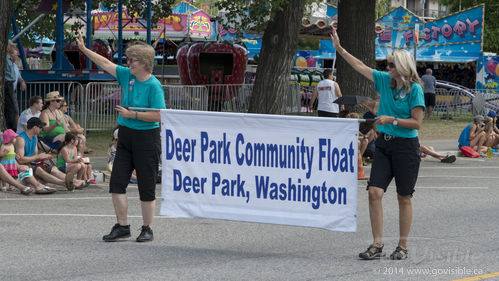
{"points": [[395, 122]]}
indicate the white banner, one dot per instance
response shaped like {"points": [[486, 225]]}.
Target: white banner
{"points": [[260, 168]]}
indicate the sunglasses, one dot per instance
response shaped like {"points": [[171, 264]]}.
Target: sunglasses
{"points": [[391, 65]]}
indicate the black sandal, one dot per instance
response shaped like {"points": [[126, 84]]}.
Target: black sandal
{"points": [[369, 254], [399, 254]]}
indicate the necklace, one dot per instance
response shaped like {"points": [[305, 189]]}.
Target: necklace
{"points": [[53, 114], [398, 93]]}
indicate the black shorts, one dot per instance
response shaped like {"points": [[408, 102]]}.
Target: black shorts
{"points": [[429, 99], [49, 141], [322, 113], [137, 150], [395, 158]]}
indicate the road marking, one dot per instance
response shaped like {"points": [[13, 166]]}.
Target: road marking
{"points": [[451, 187], [479, 277], [470, 177], [68, 215], [445, 187], [459, 167], [63, 199]]}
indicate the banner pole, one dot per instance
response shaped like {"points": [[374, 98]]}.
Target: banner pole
{"points": [[159, 109]]}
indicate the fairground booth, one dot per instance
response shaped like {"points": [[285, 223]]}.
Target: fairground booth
{"points": [[187, 23]]}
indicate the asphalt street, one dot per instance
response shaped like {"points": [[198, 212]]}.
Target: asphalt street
{"points": [[454, 235]]}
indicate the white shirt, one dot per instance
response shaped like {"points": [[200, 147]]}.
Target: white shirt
{"points": [[327, 95], [23, 119]]}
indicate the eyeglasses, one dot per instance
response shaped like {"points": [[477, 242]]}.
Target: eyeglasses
{"points": [[58, 101], [131, 60], [391, 65]]}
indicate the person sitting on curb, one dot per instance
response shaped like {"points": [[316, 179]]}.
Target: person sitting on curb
{"points": [[22, 172], [34, 110], [492, 114], [491, 137], [75, 128], [5, 177], [55, 127], [68, 159], [429, 150], [474, 136], [368, 132], [27, 153]]}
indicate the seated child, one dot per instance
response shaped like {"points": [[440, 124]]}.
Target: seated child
{"points": [[69, 162], [25, 174]]}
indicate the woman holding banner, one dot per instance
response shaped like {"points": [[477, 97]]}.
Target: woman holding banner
{"points": [[139, 142], [400, 115]]}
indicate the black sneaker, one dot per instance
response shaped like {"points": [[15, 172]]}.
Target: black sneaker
{"points": [[117, 232], [448, 159], [145, 235]]}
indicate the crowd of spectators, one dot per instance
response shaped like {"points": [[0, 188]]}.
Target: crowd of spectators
{"points": [[26, 168]]}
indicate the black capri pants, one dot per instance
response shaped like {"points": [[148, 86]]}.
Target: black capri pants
{"points": [[397, 158], [139, 150]]}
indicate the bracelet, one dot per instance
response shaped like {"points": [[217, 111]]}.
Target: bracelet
{"points": [[136, 115]]}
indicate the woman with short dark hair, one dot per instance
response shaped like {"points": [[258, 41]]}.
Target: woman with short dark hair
{"points": [[139, 142]]}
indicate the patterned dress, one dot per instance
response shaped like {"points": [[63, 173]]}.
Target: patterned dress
{"points": [[9, 162]]}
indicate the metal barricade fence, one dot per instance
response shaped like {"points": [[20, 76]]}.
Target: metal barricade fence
{"points": [[99, 104], [294, 99], [186, 97], [451, 103], [71, 91], [223, 97], [93, 106]]}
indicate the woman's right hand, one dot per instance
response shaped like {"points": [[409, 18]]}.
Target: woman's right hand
{"points": [[335, 39], [79, 41]]}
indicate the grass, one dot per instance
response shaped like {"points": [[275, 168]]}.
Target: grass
{"points": [[442, 129], [99, 142]]}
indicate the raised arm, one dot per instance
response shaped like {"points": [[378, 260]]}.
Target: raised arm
{"points": [[354, 62], [99, 60]]}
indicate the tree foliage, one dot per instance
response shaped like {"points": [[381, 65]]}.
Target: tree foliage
{"points": [[491, 21], [24, 11], [382, 8]]}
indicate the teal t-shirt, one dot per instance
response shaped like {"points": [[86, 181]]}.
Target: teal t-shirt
{"points": [[146, 94], [400, 108]]}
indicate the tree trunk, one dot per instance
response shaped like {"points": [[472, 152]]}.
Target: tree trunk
{"points": [[356, 19], [279, 44], [6, 8]]}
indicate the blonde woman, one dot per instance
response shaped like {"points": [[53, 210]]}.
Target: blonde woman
{"points": [[139, 142], [400, 115], [492, 137]]}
